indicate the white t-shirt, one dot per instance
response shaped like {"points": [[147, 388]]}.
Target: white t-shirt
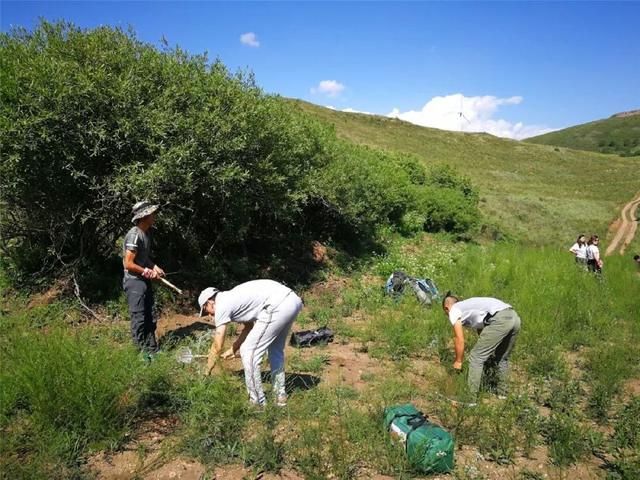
{"points": [[579, 250], [593, 252], [472, 311], [244, 302]]}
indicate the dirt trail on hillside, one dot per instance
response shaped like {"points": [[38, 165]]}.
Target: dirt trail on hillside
{"points": [[628, 223]]}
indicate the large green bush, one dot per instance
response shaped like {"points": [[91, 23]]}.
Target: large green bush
{"points": [[449, 202], [93, 120], [364, 187]]}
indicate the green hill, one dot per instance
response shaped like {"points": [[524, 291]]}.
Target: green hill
{"points": [[537, 193], [619, 134]]}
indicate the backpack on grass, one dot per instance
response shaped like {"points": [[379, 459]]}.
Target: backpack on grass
{"points": [[424, 288], [306, 338], [429, 447]]}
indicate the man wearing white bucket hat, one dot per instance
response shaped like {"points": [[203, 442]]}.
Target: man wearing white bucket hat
{"points": [[267, 309], [139, 270]]}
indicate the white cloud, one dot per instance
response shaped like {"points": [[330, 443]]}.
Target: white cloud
{"points": [[477, 116], [349, 110], [330, 88], [250, 39], [352, 110]]}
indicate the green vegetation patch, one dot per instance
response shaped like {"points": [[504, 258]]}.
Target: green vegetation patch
{"points": [[617, 135], [535, 193]]}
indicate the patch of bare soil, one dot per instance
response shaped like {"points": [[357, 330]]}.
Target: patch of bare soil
{"points": [[614, 226], [475, 465], [237, 472], [632, 387], [147, 456], [49, 296], [416, 249], [347, 366], [319, 253], [181, 324], [333, 286]]}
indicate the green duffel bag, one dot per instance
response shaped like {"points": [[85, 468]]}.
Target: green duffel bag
{"points": [[428, 446]]}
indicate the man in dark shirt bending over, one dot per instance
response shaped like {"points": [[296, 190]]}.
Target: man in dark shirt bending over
{"points": [[139, 270]]}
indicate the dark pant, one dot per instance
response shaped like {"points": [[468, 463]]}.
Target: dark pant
{"points": [[593, 266], [140, 300]]}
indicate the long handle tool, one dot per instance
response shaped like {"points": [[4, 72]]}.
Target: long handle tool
{"points": [[170, 285]]}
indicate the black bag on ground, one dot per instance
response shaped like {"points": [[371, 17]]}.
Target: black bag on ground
{"points": [[306, 338]]}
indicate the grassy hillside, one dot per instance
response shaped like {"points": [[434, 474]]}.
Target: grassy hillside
{"points": [[68, 392], [619, 135], [537, 193]]}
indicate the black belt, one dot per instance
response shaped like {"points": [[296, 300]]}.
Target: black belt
{"points": [[488, 319]]}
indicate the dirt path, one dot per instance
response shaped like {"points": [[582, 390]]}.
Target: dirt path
{"points": [[627, 227]]}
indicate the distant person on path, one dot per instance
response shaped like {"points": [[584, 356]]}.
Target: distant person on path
{"points": [[139, 270], [497, 324], [579, 249], [267, 309], [594, 262]]}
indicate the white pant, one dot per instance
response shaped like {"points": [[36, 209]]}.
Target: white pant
{"points": [[270, 333]]}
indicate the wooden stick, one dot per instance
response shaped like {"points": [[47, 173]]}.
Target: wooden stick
{"points": [[170, 285]]}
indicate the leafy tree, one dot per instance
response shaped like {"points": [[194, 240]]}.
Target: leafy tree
{"points": [[93, 120]]}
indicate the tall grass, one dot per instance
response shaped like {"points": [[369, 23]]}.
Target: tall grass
{"points": [[576, 350], [215, 414], [64, 394]]}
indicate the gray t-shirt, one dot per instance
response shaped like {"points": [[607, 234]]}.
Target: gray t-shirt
{"points": [[245, 302], [137, 241], [472, 311]]}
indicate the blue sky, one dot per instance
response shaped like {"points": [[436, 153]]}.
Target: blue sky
{"points": [[513, 69]]}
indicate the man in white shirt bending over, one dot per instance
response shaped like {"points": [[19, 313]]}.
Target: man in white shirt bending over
{"points": [[498, 325], [267, 310]]}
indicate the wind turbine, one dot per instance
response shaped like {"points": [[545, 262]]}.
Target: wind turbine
{"points": [[462, 116]]}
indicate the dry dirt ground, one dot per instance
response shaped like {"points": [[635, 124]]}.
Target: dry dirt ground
{"points": [[625, 227], [150, 455]]}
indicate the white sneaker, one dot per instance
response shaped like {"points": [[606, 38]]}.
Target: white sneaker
{"points": [[281, 401]]}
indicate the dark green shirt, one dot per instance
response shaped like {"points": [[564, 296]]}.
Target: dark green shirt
{"points": [[137, 241]]}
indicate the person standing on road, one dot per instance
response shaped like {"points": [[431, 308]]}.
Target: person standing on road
{"points": [[139, 270], [267, 309], [594, 262], [579, 249], [497, 324]]}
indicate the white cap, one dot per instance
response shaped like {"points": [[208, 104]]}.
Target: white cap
{"points": [[205, 295]]}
